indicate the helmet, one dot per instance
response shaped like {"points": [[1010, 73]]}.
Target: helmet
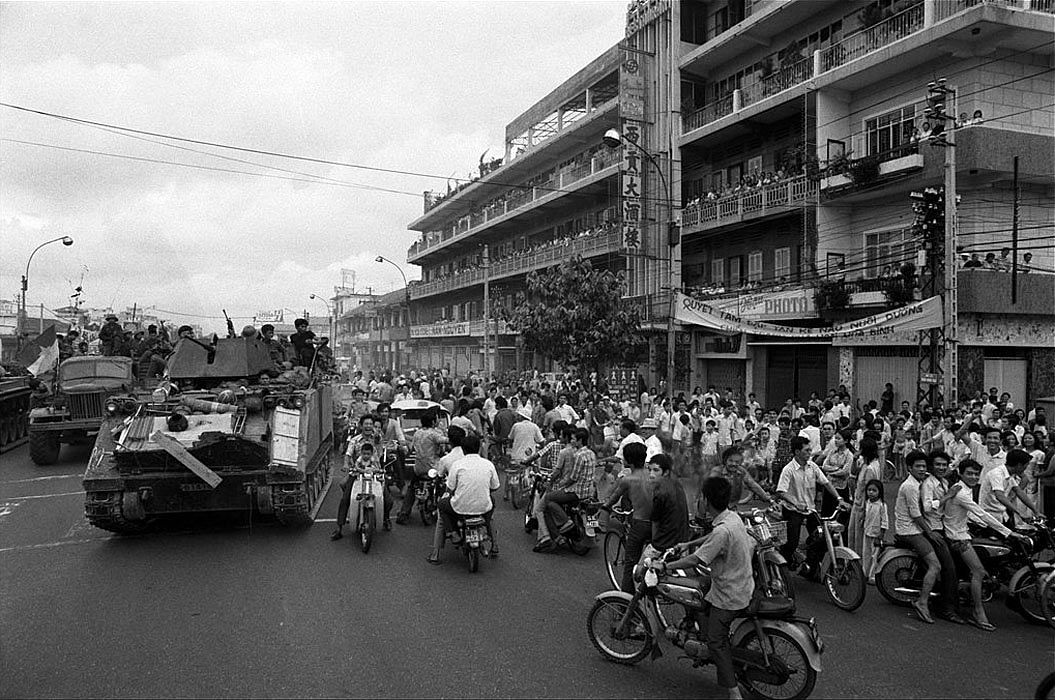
{"points": [[177, 422], [249, 332], [226, 396]]}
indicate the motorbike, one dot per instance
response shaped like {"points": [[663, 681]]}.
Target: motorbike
{"points": [[369, 493], [1010, 564], [427, 494], [772, 576], [776, 654], [475, 541], [840, 570], [536, 487]]}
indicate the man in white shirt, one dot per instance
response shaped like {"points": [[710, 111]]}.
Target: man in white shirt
{"points": [[470, 482], [526, 437], [567, 413], [911, 529], [989, 454], [797, 488], [627, 435], [1001, 482], [812, 432]]}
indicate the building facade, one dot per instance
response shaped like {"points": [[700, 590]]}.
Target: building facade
{"points": [[783, 139]]}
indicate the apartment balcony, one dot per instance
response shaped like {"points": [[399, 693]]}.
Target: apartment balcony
{"points": [[893, 45], [765, 201], [986, 291], [440, 208], [874, 169], [604, 164], [521, 263]]}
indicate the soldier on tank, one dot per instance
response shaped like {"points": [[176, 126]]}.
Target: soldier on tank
{"points": [[111, 337], [303, 348], [274, 347]]}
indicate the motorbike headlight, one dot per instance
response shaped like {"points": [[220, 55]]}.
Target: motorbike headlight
{"points": [[298, 402], [433, 473], [759, 519], [111, 407]]}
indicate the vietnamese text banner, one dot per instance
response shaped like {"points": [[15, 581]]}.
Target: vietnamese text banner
{"points": [[918, 316]]}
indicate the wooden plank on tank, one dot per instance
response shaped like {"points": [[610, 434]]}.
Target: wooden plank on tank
{"points": [[172, 446]]}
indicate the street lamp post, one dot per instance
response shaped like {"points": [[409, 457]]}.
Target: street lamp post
{"points": [[20, 321], [406, 293], [612, 138], [329, 320]]}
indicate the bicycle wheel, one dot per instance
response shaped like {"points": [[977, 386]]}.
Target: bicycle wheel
{"points": [[366, 529], [614, 549], [1047, 598], [844, 582], [602, 627], [1028, 600]]}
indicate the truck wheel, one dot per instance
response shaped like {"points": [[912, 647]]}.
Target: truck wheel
{"points": [[44, 448]]}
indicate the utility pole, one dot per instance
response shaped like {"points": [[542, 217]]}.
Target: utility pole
{"points": [[487, 312], [1014, 233], [938, 351]]}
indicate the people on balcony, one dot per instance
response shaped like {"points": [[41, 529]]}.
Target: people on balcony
{"points": [[747, 184]]}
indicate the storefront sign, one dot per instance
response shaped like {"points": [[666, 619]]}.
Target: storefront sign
{"points": [[921, 315], [623, 380], [771, 306], [440, 330], [274, 316]]}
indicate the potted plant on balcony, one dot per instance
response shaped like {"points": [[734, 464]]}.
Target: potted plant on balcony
{"points": [[831, 295], [864, 171]]}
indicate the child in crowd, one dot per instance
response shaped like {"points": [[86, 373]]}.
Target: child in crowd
{"points": [[902, 446], [709, 446], [877, 522]]}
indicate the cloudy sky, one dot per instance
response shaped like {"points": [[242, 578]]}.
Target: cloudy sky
{"points": [[423, 87]]}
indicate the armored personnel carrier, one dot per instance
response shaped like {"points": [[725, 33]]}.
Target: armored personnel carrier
{"points": [[226, 433], [15, 394]]}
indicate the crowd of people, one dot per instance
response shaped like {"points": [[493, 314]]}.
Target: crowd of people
{"points": [[985, 460], [1003, 263]]}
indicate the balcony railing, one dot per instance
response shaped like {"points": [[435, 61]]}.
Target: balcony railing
{"points": [[875, 37], [482, 217], [558, 251], [722, 107], [734, 207], [781, 80], [947, 8]]}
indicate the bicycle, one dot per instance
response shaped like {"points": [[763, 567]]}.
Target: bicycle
{"points": [[615, 544]]}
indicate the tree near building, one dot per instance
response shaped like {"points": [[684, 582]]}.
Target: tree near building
{"points": [[575, 315]]}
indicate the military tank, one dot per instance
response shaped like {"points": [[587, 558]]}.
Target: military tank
{"points": [[15, 392], [223, 433]]}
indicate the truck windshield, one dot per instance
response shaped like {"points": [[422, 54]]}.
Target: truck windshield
{"points": [[98, 367]]}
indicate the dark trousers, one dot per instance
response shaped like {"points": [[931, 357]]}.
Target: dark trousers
{"points": [[346, 501], [814, 544], [717, 631], [409, 497], [950, 583], [829, 503], [555, 514], [639, 534]]}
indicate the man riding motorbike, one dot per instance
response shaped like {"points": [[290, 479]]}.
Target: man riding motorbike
{"points": [[367, 435], [571, 486], [727, 551], [469, 484]]}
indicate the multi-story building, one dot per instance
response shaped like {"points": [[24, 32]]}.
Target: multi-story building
{"points": [[798, 158], [790, 133], [373, 334], [555, 194]]}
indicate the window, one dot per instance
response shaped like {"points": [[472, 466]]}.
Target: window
{"points": [[734, 270], [754, 165], [888, 249], [718, 271], [782, 263], [754, 266], [890, 135]]}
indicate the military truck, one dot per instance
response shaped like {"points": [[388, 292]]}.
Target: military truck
{"points": [[227, 433], [15, 394], [73, 413]]}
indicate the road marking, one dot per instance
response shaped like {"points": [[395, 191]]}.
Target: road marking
{"points": [[46, 495], [78, 475], [49, 545]]}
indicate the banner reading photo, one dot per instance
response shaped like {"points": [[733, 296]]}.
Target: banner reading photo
{"points": [[918, 316]]}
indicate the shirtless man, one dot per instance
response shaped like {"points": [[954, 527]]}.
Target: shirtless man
{"points": [[637, 487]]}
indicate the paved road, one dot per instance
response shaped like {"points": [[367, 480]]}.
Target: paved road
{"points": [[249, 609]]}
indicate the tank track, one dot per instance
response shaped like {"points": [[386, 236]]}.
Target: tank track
{"points": [[106, 514], [293, 505], [14, 413]]}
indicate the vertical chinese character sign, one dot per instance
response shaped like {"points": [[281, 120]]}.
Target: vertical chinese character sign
{"points": [[632, 113]]}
